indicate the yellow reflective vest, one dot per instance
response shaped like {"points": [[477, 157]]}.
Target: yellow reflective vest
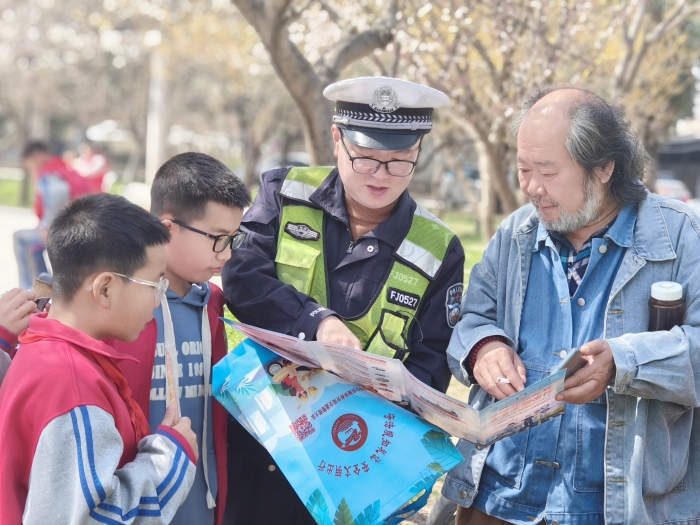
{"points": [[384, 327]]}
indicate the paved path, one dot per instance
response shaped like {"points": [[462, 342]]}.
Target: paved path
{"points": [[11, 220]]}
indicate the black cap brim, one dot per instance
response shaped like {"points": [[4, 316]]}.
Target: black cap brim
{"points": [[383, 140]]}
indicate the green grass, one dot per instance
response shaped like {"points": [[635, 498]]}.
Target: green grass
{"points": [[234, 336], [10, 192], [466, 228]]}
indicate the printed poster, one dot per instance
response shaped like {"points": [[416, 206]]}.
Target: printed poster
{"points": [[352, 456]]}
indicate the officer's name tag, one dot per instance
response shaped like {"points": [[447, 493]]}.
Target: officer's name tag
{"points": [[405, 299]]}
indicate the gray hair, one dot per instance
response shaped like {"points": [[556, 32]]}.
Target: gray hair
{"points": [[598, 134]]}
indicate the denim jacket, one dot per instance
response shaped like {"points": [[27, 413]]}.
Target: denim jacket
{"points": [[652, 438]]}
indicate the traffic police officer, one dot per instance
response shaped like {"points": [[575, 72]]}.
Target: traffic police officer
{"points": [[345, 255]]}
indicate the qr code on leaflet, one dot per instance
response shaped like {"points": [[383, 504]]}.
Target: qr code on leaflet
{"points": [[302, 428]]}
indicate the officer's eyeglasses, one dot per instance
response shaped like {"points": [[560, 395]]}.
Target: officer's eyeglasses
{"points": [[160, 287], [220, 241], [368, 165]]}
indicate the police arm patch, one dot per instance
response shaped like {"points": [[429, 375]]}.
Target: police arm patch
{"points": [[453, 304], [301, 231]]}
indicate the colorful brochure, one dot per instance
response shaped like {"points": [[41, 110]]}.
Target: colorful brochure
{"points": [[390, 379]]}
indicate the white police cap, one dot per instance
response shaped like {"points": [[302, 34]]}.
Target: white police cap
{"points": [[383, 113]]}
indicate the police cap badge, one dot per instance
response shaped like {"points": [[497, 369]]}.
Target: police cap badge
{"points": [[383, 113]]}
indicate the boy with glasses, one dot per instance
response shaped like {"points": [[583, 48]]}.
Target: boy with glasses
{"points": [[76, 447], [200, 201], [345, 255]]}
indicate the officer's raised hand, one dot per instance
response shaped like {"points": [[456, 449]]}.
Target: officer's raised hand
{"points": [[499, 370], [333, 330]]}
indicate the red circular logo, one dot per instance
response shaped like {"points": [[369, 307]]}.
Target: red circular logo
{"points": [[349, 432]]}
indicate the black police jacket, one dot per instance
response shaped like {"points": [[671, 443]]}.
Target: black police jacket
{"points": [[256, 296], [258, 491]]}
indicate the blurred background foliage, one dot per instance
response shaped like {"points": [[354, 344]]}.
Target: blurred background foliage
{"points": [[242, 79]]}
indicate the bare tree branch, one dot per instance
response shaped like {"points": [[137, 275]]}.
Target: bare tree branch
{"points": [[295, 14], [382, 68], [677, 16], [304, 81], [633, 31], [396, 61], [493, 70], [332, 14], [354, 47]]}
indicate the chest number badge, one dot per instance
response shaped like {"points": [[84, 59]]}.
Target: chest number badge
{"points": [[401, 298]]}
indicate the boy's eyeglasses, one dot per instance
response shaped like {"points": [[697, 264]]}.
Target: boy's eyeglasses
{"points": [[368, 165], [160, 287], [220, 241]]}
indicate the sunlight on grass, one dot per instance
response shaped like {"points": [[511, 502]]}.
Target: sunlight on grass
{"points": [[10, 192], [466, 228]]}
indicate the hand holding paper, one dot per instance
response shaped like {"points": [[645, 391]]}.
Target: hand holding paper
{"points": [[333, 330], [592, 379], [183, 426], [497, 360]]}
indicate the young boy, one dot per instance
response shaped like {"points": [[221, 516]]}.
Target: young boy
{"points": [[200, 201], [75, 446], [55, 185]]}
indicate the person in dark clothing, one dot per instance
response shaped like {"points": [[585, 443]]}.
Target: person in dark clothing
{"points": [[344, 255]]}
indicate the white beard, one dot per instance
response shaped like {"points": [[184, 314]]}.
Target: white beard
{"points": [[594, 194]]}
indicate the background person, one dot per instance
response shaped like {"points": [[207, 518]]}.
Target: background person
{"points": [[55, 185], [91, 164], [574, 268], [345, 255]]}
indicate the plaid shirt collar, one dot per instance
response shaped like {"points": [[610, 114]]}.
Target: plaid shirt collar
{"points": [[575, 262]]}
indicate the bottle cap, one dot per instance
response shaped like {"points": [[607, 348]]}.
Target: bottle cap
{"points": [[666, 291]]}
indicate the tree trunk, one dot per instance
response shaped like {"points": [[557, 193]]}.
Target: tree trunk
{"points": [[495, 150], [317, 132], [305, 82], [651, 172], [156, 127], [487, 207], [252, 154], [286, 141], [467, 189], [132, 163], [25, 185]]}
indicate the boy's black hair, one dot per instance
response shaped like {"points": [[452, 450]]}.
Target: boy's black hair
{"points": [[34, 146], [186, 183], [99, 232]]}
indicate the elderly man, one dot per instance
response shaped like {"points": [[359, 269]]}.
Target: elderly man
{"points": [[574, 269]]}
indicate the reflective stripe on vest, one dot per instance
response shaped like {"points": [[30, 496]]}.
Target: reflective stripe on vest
{"points": [[384, 328]]}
